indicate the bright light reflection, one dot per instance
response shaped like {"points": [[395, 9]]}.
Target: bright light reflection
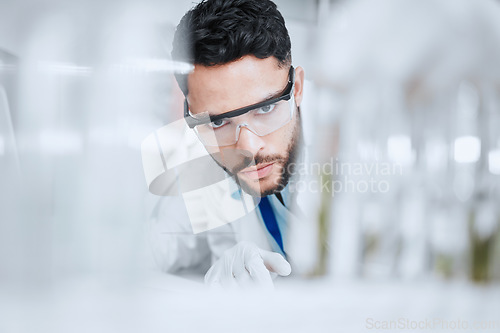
{"points": [[494, 161], [64, 68], [154, 65], [467, 149], [399, 149]]}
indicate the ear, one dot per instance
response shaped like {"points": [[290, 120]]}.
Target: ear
{"points": [[299, 85]]}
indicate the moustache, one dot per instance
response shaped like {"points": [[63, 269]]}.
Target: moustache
{"points": [[256, 160], [235, 160]]}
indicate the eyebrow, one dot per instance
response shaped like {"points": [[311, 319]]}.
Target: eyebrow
{"points": [[269, 97], [274, 95], [192, 121]]}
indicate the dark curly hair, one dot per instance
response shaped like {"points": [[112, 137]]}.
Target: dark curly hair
{"points": [[216, 32]]}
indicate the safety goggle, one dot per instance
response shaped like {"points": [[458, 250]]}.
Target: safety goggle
{"points": [[261, 118]]}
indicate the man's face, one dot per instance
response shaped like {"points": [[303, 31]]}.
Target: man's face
{"points": [[259, 162]]}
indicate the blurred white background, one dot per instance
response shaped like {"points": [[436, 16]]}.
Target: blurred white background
{"points": [[416, 84]]}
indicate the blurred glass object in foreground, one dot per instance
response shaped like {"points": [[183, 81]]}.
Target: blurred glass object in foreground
{"points": [[417, 91], [85, 87]]}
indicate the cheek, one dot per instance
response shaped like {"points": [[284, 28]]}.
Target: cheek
{"points": [[278, 142], [230, 156], [214, 151]]}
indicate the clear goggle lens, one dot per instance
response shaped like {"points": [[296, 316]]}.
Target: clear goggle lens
{"points": [[261, 121]]}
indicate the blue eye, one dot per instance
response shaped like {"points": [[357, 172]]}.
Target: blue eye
{"points": [[266, 109], [218, 123]]}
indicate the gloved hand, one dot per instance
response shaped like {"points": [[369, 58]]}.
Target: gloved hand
{"points": [[245, 265]]}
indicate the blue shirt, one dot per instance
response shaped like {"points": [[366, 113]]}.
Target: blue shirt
{"points": [[281, 214]]}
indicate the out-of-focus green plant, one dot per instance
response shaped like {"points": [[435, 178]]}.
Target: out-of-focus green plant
{"points": [[324, 225], [481, 253]]}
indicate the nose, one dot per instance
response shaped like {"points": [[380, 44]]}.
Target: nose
{"points": [[249, 141]]}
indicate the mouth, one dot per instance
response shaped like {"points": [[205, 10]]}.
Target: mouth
{"points": [[258, 172]]}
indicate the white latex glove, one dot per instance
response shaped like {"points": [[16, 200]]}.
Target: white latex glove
{"points": [[245, 265]]}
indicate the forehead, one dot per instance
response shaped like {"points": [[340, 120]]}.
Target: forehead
{"points": [[222, 88]]}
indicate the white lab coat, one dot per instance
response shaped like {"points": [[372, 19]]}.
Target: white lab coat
{"points": [[176, 248]]}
